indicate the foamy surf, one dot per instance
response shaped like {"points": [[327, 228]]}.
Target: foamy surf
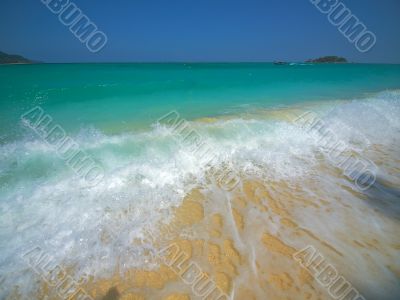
{"points": [[156, 192]]}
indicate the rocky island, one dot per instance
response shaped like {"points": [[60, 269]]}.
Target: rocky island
{"points": [[328, 59]]}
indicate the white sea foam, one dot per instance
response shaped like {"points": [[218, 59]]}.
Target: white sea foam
{"points": [[44, 204]]}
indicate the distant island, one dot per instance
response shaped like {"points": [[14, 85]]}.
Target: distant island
{"points": [[328, 59], [13, 59], [320, 60]]}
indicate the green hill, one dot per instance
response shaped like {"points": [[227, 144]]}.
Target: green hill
{"points": [[13, 59]]}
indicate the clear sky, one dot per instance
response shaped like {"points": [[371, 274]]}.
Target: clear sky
{"points": [[201, 30]]}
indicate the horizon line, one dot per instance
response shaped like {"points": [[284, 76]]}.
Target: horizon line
{"points": [[196, 62]]}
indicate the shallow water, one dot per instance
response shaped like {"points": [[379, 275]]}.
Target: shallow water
{"points": [[157, 189]]}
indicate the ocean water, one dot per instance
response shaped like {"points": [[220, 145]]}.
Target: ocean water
{"points": [[248, 115]]}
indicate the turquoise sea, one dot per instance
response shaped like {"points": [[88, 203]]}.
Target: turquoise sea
{"points": [[116, 98], [112, 110]]}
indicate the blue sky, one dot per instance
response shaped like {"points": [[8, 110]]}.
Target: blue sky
{"points": [[201, 30]]}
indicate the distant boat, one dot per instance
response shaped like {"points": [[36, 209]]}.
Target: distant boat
{"points": [[280, 63]]}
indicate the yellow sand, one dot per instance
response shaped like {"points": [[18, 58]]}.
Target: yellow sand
{"points": [[245, 247]]}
